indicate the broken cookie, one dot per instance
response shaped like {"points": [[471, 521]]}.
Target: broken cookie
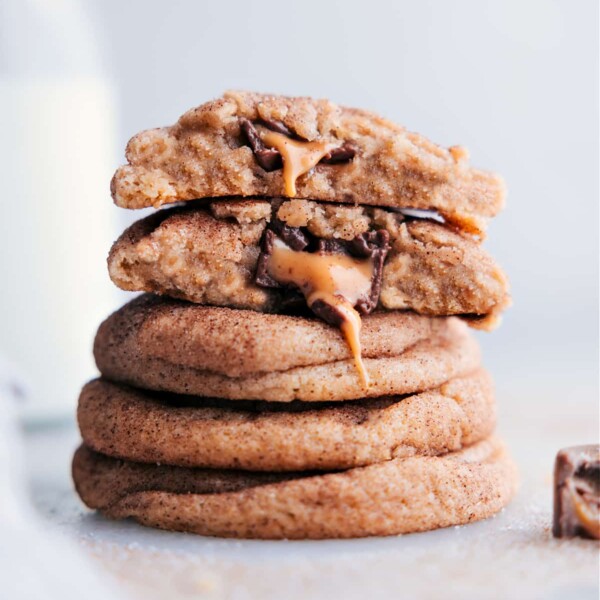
{"points": [[249, 144], [221, 253]]}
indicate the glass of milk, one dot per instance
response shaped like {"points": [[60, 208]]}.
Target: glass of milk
{"points": [[57, 142]]}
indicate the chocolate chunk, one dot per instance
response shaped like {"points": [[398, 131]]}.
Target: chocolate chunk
{"points": [[369, 243], [268, 158], [331, 246], [374, 245], [292, 302], [294, 237], [278, 127], [330, 314], [346, 152], [377, 243], [262, 276], [577, 492]]}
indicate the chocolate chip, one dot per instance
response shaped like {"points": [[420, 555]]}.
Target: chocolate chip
{"points": [[330, 314], [292, 302], [589, 471], [278, 127], [377, 244], [374, 245], [268, 158], [346, 152], [262, 276], [577, 492], [368, 243], [294, 237], [330, 246]]}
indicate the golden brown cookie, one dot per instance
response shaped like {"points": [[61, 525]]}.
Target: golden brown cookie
{"points": [[226, 147], [208, 254], [168, 345], [143, 426], [396, 496]]}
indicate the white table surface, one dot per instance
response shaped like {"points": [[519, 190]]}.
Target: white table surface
{"points": [[510, 556]]}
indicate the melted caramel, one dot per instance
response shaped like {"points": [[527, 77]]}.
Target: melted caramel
{"points": [[298, 157], [586, 509], [337, 279]]}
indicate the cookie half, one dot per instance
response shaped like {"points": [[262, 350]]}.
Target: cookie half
{"points": [[142, 426], [397, 496], [212, 254], [247, 144], [167, 345]]}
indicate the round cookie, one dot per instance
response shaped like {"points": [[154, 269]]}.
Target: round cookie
{"points": [[167, 345], [156, 428], [397, 496]]}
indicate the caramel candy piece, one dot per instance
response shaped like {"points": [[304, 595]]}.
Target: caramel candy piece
{"points": [[577, 492]]}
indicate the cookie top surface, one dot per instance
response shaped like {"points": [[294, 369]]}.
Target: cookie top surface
{"points": [[142, 426], [168, 345], [207, 154], [236, 343]]}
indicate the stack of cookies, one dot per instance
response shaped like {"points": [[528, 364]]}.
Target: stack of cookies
{"points": [[300, 365]]}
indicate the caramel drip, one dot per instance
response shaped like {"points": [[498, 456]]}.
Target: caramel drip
{"points": [[298, 157], [351, 329], [338, 280], [587, 511]]}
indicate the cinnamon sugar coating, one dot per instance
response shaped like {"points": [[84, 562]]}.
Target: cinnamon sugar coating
{"points": [[205, 154]]}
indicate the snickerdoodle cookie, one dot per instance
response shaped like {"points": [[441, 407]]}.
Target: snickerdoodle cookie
{"points": [[401, 495], [168, 345], [250, 144], [211, 252], [152, 427]]}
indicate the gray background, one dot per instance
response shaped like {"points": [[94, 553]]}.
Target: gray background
{"points": [[516, 81]]}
